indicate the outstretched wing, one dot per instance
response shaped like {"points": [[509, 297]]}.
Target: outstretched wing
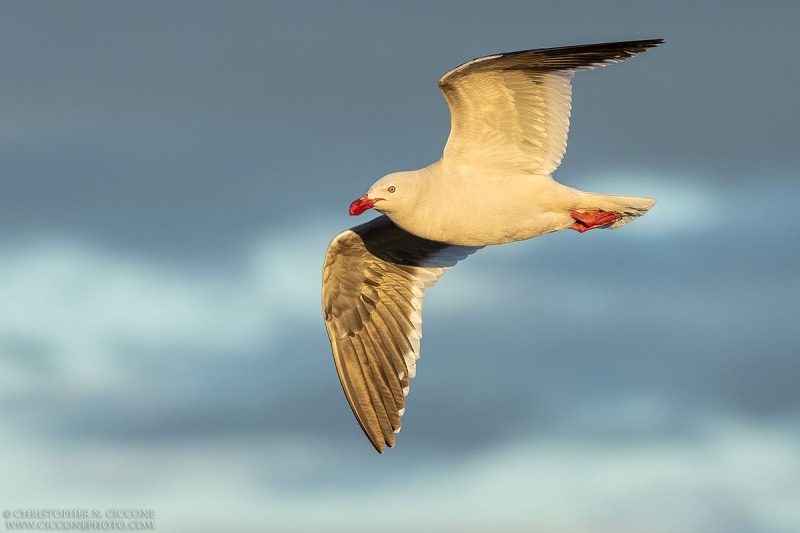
{"points": [[511, 111], [373, 282]]}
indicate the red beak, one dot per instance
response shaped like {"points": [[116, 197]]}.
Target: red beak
{"points": [[362, 204]]}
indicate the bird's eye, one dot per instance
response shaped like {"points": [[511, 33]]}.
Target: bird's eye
{"points": [[391, 188]]}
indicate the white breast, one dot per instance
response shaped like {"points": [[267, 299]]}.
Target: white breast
{"points": [[468, 209]]}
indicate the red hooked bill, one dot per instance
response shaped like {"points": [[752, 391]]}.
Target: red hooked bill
{"points": [[362, 204]]}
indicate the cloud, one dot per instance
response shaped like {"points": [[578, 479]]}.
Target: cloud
{"points": [[137, 375], [77, 308], [686, 204], [223, 345], [726, 477]]}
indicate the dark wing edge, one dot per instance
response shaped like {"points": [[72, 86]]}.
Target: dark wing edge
{"points": [[373, 283], [511, 111], [584, 56]]}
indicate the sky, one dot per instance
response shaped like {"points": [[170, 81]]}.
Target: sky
{"points": [[172, 173]]}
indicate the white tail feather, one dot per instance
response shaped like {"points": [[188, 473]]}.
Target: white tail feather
{"points": [[630, 207]]}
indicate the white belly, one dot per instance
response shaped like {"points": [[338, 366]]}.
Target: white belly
{"points": [[481, 212]]}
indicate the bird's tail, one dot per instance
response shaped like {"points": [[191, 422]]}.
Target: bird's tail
{"points": [[630, 207]]}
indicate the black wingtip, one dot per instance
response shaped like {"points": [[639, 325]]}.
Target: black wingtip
{"points": [[630, 47], [646, 43], [558, 58]]}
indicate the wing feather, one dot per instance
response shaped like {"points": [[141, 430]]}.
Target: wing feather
{"points": [[373, 284], [390, 371], [510, 112], [377, 417], [382, 399]]}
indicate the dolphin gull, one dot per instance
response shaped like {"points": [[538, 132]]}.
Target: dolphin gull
{"points": [[508, 133]]}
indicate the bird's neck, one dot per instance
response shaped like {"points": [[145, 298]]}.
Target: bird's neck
{"points": [[425, 214]]}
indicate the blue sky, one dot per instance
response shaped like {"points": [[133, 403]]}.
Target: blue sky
{"points": [[173, 172]]}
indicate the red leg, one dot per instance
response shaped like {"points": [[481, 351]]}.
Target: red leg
{"points": [[593, 219]]}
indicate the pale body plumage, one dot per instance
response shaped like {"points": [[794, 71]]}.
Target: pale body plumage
{"points": [[475, 215], [509, 123]]}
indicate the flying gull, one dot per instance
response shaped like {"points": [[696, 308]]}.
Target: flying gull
{"points": [[493, 185]]}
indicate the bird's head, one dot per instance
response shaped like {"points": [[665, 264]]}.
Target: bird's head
{"points": [[386, 195]]}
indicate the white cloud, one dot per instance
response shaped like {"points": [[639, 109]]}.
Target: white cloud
{"points": [[729, 477], [75, 307], [684, 203], [70, 308]]}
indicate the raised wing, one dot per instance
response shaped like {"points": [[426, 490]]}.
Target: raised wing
{"points": [[373, 282], [511, 111]]}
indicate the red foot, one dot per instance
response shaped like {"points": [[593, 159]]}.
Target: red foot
{"points": [[593, 219]]}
